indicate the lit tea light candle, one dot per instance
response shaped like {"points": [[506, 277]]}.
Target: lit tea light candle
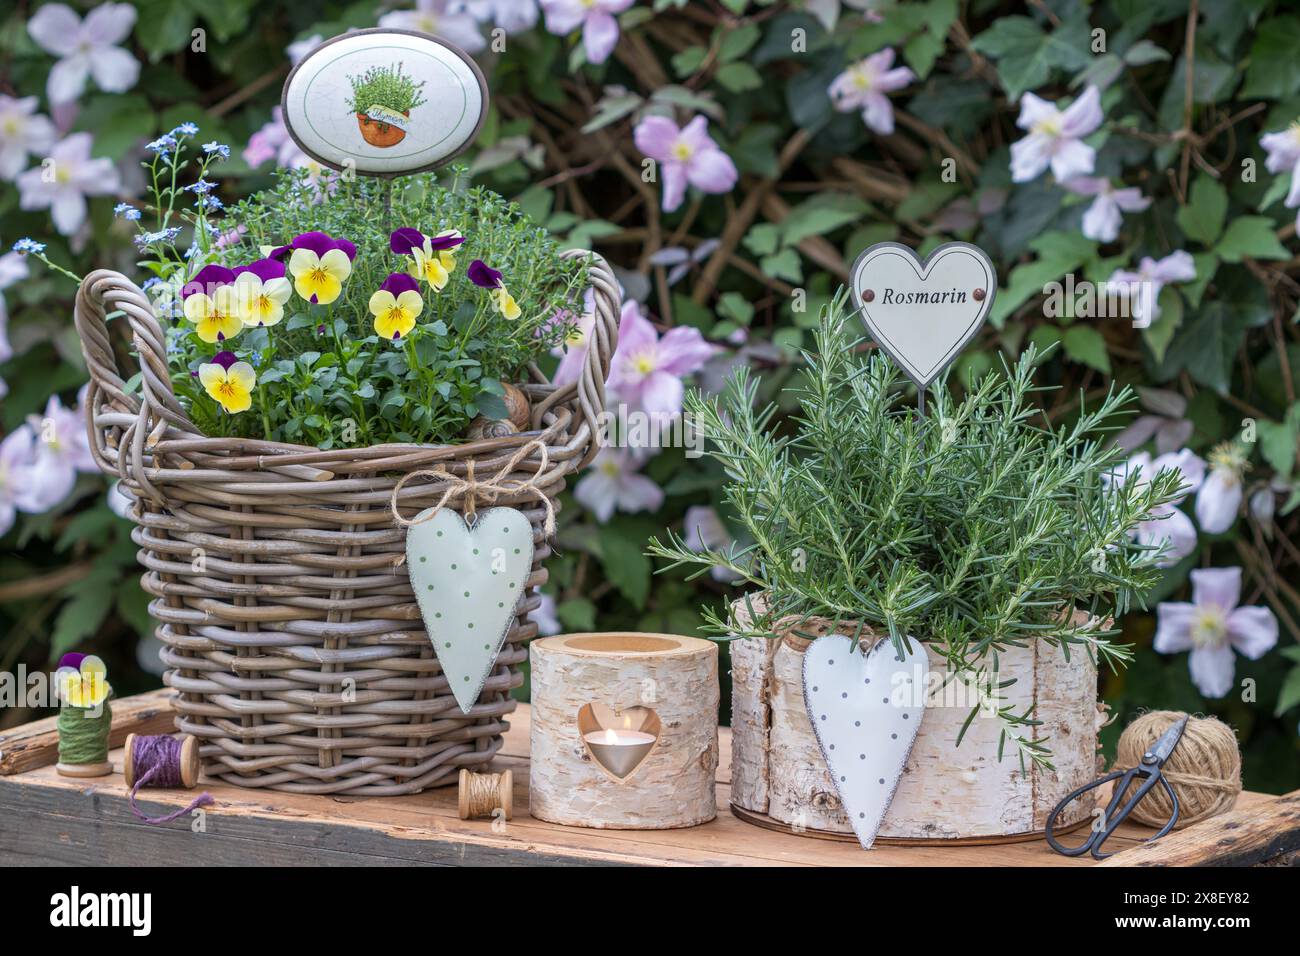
{"points": [[619, 751]]}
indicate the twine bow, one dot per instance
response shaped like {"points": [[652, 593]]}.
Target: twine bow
{"points": [[471, 490]]}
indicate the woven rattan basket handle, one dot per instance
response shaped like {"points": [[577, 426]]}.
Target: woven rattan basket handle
{"points": [[601, 343], [105, 294]]}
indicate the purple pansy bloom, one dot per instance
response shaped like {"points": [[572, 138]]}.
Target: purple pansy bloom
{"points": [[207, 279], [318, 242], [72, 659], [406, 239], [264, 269], [483, 275], [399, 282], [225, 359]]}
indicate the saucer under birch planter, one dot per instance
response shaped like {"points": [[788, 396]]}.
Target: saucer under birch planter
{"points": [[624, 730], [947, 792]]}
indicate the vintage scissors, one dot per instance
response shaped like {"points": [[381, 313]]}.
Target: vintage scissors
{"points": [[1150, 769]]}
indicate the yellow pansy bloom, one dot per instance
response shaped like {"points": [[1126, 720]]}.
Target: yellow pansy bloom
{"points": [[216, 318], [261, 302], [427, 265], [505, 303], [395, 315], [86, 686], [232, 387], [319, 278]]}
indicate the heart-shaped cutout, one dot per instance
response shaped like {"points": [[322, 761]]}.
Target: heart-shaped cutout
{"points": [[866, 709], [468, 582], [618, 740], [923, 314]]}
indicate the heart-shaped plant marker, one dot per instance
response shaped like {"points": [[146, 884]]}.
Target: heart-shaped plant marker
{"points": [[866, 709], [922, 314], [618, 740], [468, 582]]}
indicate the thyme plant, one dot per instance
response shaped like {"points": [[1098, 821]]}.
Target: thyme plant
{"points": [[385, 86], [975, 529]]}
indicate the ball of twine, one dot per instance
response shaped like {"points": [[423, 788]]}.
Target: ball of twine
{"points": [[1204, 769]]}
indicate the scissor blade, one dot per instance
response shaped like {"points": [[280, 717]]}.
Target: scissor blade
{"points": [[1165, 745]]}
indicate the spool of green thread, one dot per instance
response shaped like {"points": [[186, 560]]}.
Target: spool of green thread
{"points": [[83, 740]]}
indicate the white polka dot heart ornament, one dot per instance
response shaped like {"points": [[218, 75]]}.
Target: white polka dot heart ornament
{"points": [[468, 580], [866, 708]]}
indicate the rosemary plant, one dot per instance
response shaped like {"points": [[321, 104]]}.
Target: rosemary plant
{"points": [[974, 529]]}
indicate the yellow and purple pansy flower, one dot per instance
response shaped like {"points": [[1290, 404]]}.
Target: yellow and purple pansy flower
{"points": [[432, 259], [229, 381], [81, 680], [211, 304], [262, 291], [485, 277], [319, 264], [395, 306]]}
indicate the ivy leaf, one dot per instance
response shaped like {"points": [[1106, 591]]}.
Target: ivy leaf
{"points": [[1251, 236], [739, 77], [1084, 344], [1206, 347], [1274, 70], [1202, 218], [80, 617], [821, 215], [1026, 56]]}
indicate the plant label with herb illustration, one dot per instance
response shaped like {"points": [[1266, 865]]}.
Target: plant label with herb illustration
{"points": [[866, 708], [922, 314], [468, 582], [384, 102]]}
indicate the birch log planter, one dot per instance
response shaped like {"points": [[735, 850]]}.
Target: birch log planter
{"points": [[948, 792], [624, 730]]}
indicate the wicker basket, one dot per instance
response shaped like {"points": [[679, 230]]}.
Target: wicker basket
{"points": [[289, 627]]}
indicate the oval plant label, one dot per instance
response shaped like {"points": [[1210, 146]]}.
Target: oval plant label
{"points": [[384, 102]]}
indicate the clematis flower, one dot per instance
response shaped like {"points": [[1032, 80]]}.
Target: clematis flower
{"points": [[1102, 220], [646, 370], [1167, 422], [218, 317], [686, 156], [1055, 137], [485, 277], [319, 265], [55, 450], [545, 617], [229, 381], [86, 48], [298, 49], [432, 258], [261, 300], [1283, 149], [82, 681], [23, 132], [513, 16], [863, 87], [1212, 626], [1219, 498], [75, 176], [1168, 527], [440, 18], [17, 455], [1143, 287], [572, 353], [273, 141], [596, 17], [395, 306], [612, 483], [703, 530]]}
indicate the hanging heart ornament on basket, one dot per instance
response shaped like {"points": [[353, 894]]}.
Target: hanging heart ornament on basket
{"points": [[922, 314], [468, 580], [866, 709]]}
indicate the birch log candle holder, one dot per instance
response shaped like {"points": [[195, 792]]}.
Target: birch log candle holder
{"points": [[624, 730]]}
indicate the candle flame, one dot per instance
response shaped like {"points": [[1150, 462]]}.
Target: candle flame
{"points": [[610, 736]]}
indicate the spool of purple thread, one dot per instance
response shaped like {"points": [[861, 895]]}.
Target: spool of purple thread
{"points": [[162, 762]]}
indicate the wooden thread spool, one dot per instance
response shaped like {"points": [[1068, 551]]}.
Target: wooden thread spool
{"points": [[189, 762], [482, 794]]}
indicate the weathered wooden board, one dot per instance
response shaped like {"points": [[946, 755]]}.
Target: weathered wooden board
{"points": [[37, 744], [47, 819]]}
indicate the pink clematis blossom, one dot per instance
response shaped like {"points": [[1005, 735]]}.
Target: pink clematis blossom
{"points": [[74, 177], [686, 156], [86, 48], [1168, 527], [1283, 148], [544, 616], [1143, 286], [1055, 137], [1219, 498], [513, 16], [612, 483], [647, 369], [1212, 627], [828, 11], [573, 352], [16, 454], [23, 133], [298, 49], [440, 18], [273, 141], [596, 17], [703, 530], [1167, 422], [863, 87], [1102, 220]]}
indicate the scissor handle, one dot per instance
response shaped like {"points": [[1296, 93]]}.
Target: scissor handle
{"points": [[1074, 795]]}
